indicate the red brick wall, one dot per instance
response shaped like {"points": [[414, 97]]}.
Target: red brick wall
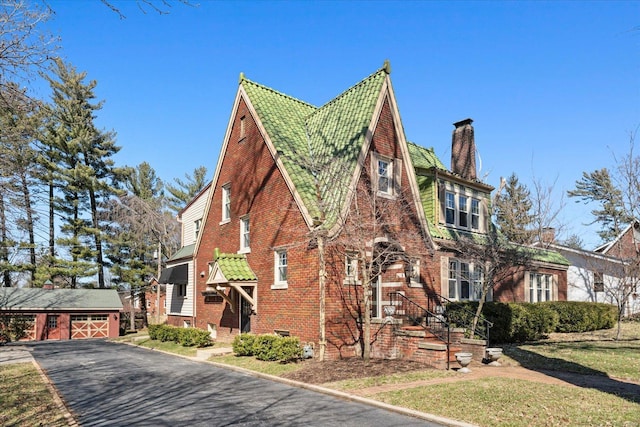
{"points": [[259, 190]]}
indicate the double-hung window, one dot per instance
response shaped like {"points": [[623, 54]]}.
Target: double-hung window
{"points": [[465, 280], [463, 220], [475, 214], [197, 224], [540, 287], [226, 202], [450, 208], [245, 240], [281, 266], [384, 176], [351, 268]]}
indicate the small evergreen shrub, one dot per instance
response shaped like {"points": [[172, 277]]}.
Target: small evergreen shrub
{"points": [[194, 337], [243, 344], [576, 316], [154, 331], [187, 337], [264, 347], [287, 349]]}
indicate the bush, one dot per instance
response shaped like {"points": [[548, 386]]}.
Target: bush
{"points": [[187, 337], [193, 337], [268, 347], [287, 349], [575, 316], [263, 347], [154, 331], [243, 344], [512, 322]]}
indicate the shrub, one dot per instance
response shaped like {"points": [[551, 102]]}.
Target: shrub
{"points": [[287, 349], [193, 337], [264, 347], [154, 331], [243, 344], [512, 322], [576, 316]]}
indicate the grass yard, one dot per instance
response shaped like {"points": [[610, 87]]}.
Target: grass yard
{"points": [[25, 400], [594, 353], [508, 402]]}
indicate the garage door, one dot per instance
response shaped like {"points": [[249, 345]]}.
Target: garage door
{"points": [[89, 326]]}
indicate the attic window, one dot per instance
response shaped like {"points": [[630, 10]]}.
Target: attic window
{"points": [[243, 129]]}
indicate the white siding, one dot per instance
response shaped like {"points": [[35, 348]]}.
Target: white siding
{"points": [[192, 213], [179, 306]]}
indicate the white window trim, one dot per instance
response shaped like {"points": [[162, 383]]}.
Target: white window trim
{"points": [[351, 260], [197, 226], [414, 273], [393, 175], [226, 197], [277, 283], [474, 281], [244, 221], [531, 294], [470, 196]]}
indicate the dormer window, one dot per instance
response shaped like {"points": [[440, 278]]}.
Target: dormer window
{"points": [[461, 208]]}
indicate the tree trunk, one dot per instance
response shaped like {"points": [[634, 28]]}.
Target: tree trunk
{"points": [[52, 232], [29, 213], [97, 238], [4, 250]]}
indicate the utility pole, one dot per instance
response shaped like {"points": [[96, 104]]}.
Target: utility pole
{"points": [[158, 282]]}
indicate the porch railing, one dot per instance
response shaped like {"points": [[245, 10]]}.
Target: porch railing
{"points": [[417, 315], [463, 317]]}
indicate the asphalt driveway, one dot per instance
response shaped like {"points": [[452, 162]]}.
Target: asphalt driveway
{"points": [[110, 384]]}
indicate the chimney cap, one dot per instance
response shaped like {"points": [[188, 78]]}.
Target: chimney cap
{"points": [[463, 122]]}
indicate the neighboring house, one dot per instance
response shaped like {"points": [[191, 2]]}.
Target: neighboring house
{"points": [[178, 276], [289, 170], [60, 314], [156, 303], [595, 277]]}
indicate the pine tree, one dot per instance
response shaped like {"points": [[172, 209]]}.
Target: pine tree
{"points": [[513, 212], [86, 167], [184, 191], [597, 187]]}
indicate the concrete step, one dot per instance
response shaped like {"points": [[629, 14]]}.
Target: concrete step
{"points": [[207, 352]]}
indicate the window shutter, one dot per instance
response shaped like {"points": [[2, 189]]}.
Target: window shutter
{"points": [[397, 175], [527, 285], [444, 276]]}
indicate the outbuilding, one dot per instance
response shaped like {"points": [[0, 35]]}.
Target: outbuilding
{"points": [[60, 314]]}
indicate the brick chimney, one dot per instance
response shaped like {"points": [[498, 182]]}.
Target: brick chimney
{"points": [[463, 150]]}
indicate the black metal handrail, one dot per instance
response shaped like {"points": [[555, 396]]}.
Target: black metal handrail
{"points": [[483, 327], [432, 322]]}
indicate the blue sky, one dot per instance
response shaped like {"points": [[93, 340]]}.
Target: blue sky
{"points": [[553, 87]]}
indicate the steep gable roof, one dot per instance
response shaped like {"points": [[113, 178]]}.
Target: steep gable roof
{"points": [[319, 147]]}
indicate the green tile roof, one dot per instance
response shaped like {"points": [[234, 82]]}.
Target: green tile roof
{"points": [[59, 299], [424, 158], [235, 268], [318, 145]]}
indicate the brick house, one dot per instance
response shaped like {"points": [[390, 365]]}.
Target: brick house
{"points": [[289, 172], [62, 314]]}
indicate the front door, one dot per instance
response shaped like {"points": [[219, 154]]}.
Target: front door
{"points": [[245, 313], [53, 327]]}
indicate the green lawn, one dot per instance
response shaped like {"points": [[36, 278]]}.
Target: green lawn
{"points": [[509, 402], [25, 400]]}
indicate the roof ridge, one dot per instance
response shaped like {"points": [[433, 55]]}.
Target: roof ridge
{"points": [[350, 89], [277, 92]]}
